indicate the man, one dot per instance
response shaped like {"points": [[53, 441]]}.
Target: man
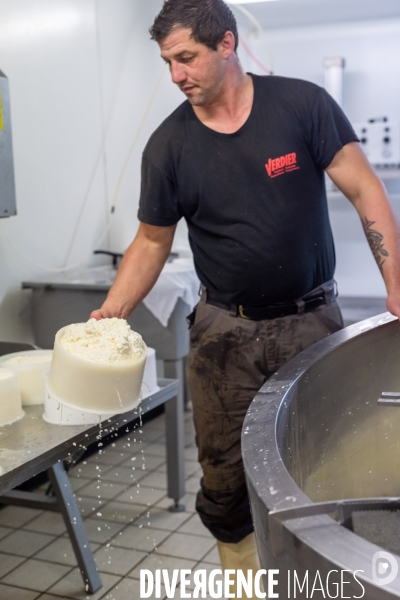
{"points": [[243, 161]]}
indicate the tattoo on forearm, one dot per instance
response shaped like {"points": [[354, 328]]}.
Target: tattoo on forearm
{"points": [[375, 240]]}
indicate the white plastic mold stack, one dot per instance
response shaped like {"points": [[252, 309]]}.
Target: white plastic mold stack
{"points": [[10, 397], [150, 385], [29, 366]]}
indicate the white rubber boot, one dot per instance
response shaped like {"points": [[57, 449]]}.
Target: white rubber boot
{"points": [[242, 555]]}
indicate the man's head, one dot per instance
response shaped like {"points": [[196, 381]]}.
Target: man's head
{"points": [[197, 39]]}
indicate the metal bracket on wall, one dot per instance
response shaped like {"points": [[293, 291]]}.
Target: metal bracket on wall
{"points": [[342, 510]]}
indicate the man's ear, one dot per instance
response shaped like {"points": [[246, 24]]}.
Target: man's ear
{"points": [[227, 45]]}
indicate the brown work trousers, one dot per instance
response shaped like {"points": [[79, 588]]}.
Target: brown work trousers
{"points": [[229, 360]]}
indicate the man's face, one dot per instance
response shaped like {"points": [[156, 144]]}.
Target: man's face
{"points": [[196, 69]]}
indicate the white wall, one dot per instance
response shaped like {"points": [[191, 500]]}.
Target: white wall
{"points": [[84, 72], [372, 88], [81, 76]]}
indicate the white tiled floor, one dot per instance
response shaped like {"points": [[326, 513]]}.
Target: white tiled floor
{"points": [[122, 495]]}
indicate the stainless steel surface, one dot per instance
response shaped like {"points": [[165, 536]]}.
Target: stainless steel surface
{"points": [[31, 445], [7, 182], [315, 433]]}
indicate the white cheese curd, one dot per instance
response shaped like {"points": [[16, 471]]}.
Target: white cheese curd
{"points": [[106, 341]]}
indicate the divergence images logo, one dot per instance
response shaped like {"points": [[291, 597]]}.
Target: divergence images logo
{"points": [[384, 568], [282, 164]]}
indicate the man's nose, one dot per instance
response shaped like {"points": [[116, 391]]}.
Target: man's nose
{"points": [[178, 74]]}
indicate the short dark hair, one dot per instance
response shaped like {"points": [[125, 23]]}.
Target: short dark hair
{"points": [[208, 21]]}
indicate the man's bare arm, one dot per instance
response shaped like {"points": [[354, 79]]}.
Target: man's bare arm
{"points": [[353, 175], [138, 271]]}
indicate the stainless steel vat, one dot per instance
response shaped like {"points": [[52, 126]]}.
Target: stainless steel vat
{"points": [[315, 433]]}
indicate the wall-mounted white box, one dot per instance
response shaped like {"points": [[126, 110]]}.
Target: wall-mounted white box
{"points": [[381, 143]]}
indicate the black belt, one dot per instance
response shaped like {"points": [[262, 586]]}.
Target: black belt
{"points": [[275, 311]]}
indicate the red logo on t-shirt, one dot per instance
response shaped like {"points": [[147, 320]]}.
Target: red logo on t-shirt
{"points": [[282, 164]]}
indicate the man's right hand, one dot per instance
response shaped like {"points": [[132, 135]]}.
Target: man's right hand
{"points": [[101, 313]]}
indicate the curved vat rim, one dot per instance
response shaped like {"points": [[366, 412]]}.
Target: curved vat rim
{"points": [[269, 479]]}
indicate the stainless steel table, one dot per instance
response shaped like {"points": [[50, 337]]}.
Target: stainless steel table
{"points": [[31, 446]]}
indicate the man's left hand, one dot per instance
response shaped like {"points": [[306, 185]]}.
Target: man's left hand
{"points": [[393, 304]]}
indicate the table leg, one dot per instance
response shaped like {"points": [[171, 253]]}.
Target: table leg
{"points": [[175, 434], [73, 521]]}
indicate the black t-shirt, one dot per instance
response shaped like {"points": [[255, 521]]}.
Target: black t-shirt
{"points": [[254, 200]]}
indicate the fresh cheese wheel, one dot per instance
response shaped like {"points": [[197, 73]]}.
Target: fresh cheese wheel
{"points": [[98, 366]]}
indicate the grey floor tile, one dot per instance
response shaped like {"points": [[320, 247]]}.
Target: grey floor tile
{"points": [[142, 495], [191, 468], [160, 518], [148, 436], [24, 543], [192, 484], [124, 475], [5, 531], [52, 523], [119, 512], [190, 439], [192, 454], [14, 516], [115, 456], [194, 526], [156, 479], [78, 482], [155, 449], [212, 557], [160, 561], [8, 563], [109, 457], [148, 461], [186, 546], [189, 502], [189, 430], [89, 469], [72, 586], [100, 532], [61, 551], [12, 593], [103, 490], [140, 538], [48, 597], [88, 505], [129, 589], [117, 561], [36, 575]]}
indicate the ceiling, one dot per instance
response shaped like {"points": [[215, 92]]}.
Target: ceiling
{"points": [[298, 13]]}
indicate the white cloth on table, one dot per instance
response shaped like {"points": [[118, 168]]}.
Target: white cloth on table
{"points": [[175, 281]]}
